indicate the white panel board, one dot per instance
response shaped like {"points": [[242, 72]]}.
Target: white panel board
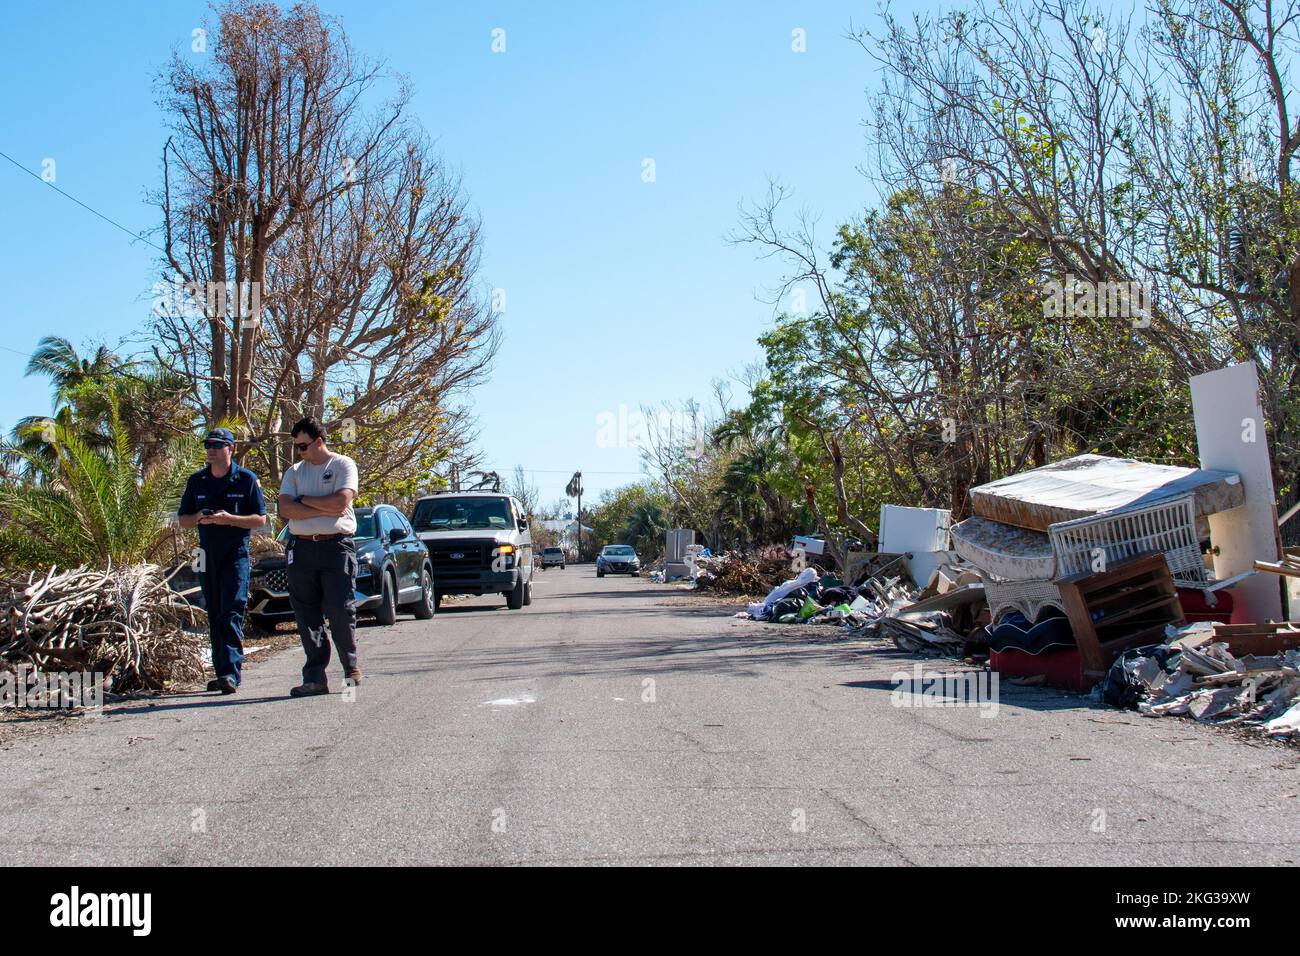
{"points": [[922, 531], [809, 545], [1230, 435]]}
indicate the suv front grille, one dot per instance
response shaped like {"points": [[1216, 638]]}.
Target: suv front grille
{"points": [[276, 580], [475, 557]]}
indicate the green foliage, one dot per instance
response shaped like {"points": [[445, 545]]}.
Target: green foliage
{"points": [[149, 402], [634, 510], [645, 528], [93, 507], [397, 465]]}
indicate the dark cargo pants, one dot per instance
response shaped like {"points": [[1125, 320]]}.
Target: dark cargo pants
{"points": [[225, 594], [322, 586]]}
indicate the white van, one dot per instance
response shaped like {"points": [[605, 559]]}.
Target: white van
{"points": [[478, 542]]}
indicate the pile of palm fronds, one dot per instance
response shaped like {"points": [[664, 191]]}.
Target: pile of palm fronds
{"points": [[125, 623], [263, 546]]}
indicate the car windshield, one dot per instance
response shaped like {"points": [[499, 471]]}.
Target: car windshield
{"points": [[437, 514], [552, 550], [619, 551]]}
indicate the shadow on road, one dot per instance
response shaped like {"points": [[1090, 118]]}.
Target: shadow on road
{"points": [[186, 702], [1030, 698], [747, 650]]}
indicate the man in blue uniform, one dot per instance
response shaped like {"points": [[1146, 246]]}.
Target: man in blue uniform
{"points": [[224, 501]]}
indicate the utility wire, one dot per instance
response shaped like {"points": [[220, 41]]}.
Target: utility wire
{"points": [[117, 225], [96, 212], [568, 471]]}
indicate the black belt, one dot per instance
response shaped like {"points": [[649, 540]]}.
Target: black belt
{"points": [[321, 537]]}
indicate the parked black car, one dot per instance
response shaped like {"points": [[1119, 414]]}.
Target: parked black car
{"points": [[393, 572]]}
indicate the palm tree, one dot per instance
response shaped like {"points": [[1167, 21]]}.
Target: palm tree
{"points": [[58, 359], [95, 508], [149, 399], [645, 527]]}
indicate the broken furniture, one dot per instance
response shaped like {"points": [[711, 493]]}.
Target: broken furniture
{"points": [[1127, 605], [1087, 544], [1085, 513], [1258, 639], [1088, 485], [1167, 527]]}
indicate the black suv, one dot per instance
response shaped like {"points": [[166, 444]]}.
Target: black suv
{"points": [[393, 572]]}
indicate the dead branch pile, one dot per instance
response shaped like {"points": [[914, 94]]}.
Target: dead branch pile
{"points": [[125, 623], [263, 546], [756, 572]]}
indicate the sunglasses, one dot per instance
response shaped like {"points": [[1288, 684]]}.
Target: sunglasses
{"points": [[303, 446], [214, 444]]}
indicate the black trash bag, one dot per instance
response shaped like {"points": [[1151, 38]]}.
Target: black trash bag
{"points": [[804, 593], [1122, 687], [839, 595], [787, 605]]}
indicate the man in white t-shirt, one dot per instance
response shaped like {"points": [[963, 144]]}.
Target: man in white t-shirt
{"points": [[316, 496]]}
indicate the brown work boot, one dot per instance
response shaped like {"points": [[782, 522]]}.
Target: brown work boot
{"points": [[307, 689]]}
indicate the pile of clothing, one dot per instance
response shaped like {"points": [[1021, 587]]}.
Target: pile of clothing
{"points": [[814, 598]]}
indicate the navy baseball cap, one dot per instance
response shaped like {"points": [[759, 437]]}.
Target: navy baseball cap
{"points": [[222, 435]]}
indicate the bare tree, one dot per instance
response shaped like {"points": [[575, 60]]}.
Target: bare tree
{"points": [[525, 490], [354, 243], [1161, 155]]}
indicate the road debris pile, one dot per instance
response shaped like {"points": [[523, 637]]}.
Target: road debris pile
{"points": [[812, 597], [881, 606], [125, 623], [884, 602], [1210, 684], [936, 620], [736, 572], [1090, 570]]}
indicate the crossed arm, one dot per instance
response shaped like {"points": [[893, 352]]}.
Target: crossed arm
{"points": [[251, 522], [313, 506]]}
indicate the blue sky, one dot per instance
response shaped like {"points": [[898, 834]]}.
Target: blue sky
{"points": [[619, 292]]}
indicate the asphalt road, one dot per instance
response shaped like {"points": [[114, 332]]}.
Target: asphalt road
{"points": [[619, 721]]}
